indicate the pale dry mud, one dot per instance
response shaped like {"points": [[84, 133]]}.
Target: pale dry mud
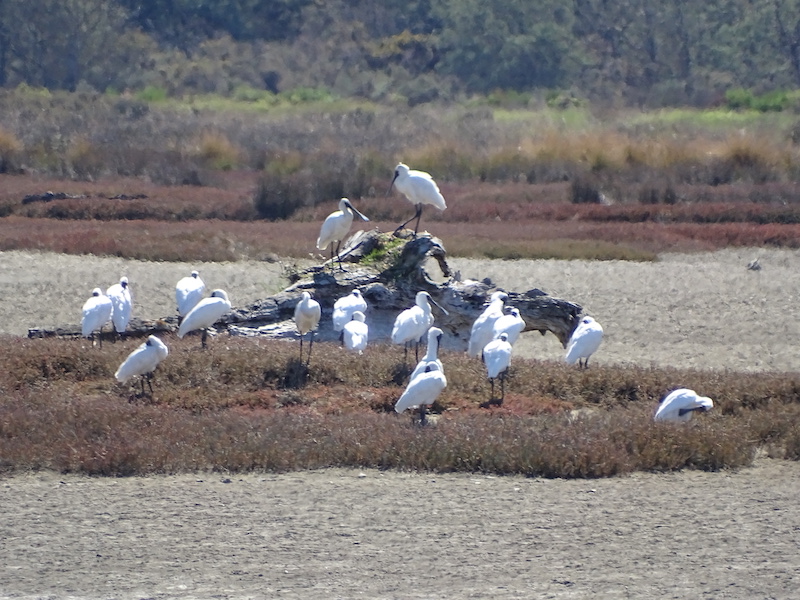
{"points": [[370, 534], [702, 311]]}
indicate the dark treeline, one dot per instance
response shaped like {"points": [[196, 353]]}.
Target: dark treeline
{"points": [[634, 52]]}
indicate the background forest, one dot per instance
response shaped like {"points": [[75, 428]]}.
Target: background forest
{"points": [[627, 52]]}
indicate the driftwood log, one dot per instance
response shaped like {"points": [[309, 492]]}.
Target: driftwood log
{"points": [[389, 271]]}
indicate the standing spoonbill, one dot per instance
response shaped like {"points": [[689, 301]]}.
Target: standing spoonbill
{"points": [[411, 324], [431, 354], [120, 296], [419, 188], [336, 227], [584, 342], [188, 292], [679, 405], [344, 308], [204, 314], [96, 313], [355, 334], [143, 361], [306, 319], [422, 391], [497, 358], [510, 323], [482, 328]]}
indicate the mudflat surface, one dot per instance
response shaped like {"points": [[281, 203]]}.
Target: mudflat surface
{"points": [[347, 534]]}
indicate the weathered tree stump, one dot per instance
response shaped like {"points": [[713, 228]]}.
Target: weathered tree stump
{"points": [[389, 271]]}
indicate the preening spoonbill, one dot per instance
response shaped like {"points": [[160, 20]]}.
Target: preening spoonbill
{"points": [[510, 323], [584, 342], [205, 313], [336, 227], [411, 324], [431, 354], [497, 358], [120, 296], [96, 313], [306, 319], [483, 327], [344, 308], [422, 391], [143, 361], [680, 404], [419, 188], [188, 292], [356, 333]]}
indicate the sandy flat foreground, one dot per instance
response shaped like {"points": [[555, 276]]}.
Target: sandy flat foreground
{"points": [[351, 534]]}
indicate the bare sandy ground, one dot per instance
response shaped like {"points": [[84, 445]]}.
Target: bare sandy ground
{"points": [[346, 534]]}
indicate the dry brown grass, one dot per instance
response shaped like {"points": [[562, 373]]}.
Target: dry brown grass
{"points": [[248, 405]]}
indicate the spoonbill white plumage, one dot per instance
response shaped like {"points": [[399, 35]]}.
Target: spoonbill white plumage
{"points": [[431, 354], [344, 308], [143, 361], [188, 292], [419, 188], [306, 318], [204, 314], [679, 405], [96, 313], [422, 391], [336, 227], [482, 329], [510, 323], [120, 296], [411, 324], [356, 333], [584, 342], [497, 358]]}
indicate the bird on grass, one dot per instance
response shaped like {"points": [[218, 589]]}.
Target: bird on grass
{"points": [[97, 312], [422, 391], [679, 405], [584, 342], [120, 295], [344, 308], [143, 361], [431, 353], [356, 333], [511, 323], [307, 313], [483, 327], [419, 188], [188, 292], [411, 324], [336, 227], [205, 313], [497, 358]]}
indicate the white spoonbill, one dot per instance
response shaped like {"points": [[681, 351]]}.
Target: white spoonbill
{"points": [[306, 319], [356, 333], [510, 323], [411, 324], [204, 314], [120, 295], [344, 308], [419, 188], [497, 358], [680, 404], [336, 227], [96, 313], [431, 354], [188, 292], [584, 342], [422, 391], [143, 361], [482, 328]]}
